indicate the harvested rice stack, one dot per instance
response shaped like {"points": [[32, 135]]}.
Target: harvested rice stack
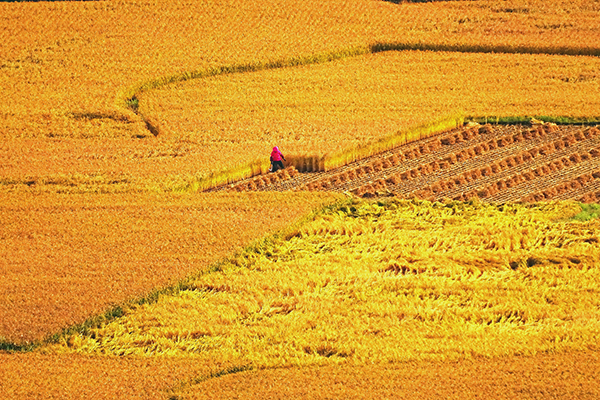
{"points": [[377, 166], [262, 181], [448, 140], [593, 197], [465, 155], [487, 128], [411, 154], [393, 180], [466, 196], [352, 174], [569, 140], [424, 194], [379, 185], [564, 187], [365, 191], [393, 160], [479, 150], [518, 137], [368, 169], [343, 177], [516, 179], [477, 173], [591, 132], [550, 127], [386, 164]]}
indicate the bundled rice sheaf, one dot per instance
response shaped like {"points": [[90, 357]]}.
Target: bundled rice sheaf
{"points": [[393, 179], [486, 129], [518, 137], [591, 132], [579, 136], [394, 160], [448, 140]]}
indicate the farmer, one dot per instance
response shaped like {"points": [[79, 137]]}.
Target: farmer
{"points": [[276, 158]]}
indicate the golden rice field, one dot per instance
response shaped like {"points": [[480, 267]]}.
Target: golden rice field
{"points": [[379, 283], [327, 109], [121, 280], [543, 377], [69, 68], [68, 257]]}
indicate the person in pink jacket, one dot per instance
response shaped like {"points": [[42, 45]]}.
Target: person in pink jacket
{"points": [[276, 158]]}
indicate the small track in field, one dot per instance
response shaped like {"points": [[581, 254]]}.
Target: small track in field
{"points": [[496, 163]]}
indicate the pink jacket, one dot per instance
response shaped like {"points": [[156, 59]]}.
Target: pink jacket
{"points": [[276, 154]]}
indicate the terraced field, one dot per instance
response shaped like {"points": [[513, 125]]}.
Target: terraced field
{"points": [[500, 163]]}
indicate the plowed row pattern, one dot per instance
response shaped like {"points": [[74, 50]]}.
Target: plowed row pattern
{"points": [[499, 163]]}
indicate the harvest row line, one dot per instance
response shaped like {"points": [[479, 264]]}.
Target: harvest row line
{"points": [[496, 163], [497, 182], [442, 163]]}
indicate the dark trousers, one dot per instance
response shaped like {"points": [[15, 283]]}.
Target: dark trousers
{"points": [[275, 165]]}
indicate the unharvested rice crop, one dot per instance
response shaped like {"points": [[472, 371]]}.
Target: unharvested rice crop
{"points": [[80, 234], [65, 258], [72, 377], [331, 108], [383, 283], [542, 377]]}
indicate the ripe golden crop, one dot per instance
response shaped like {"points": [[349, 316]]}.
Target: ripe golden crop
{"points": [[67, 257], [333, 108], [380, 283], [68, 68], [68, 74], [70, 377]]}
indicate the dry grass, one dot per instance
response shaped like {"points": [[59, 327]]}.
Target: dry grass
{"points": [[67, 257], [377, 283]]}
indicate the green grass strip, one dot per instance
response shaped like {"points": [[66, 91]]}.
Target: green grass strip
{"points": [[588, 212], [486, 48], [526, 119]]}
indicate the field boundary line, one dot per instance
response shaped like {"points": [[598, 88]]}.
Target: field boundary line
{"points": [[127, 97], [180, 387], [526, 119], [119, 310], [379, 47]]}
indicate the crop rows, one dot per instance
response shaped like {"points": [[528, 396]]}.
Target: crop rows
{"points": [[494, 163]]}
